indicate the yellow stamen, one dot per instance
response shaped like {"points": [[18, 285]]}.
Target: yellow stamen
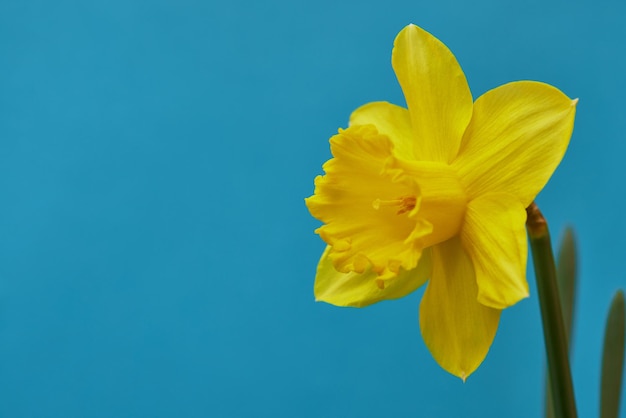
{"points": [[406, 203]]}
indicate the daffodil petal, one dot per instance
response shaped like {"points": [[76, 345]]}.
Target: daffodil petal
{"points": [[494, 237], [457, 329], [365, 211], [436, 93], [390, 120], [358, 290], [518, 135]]}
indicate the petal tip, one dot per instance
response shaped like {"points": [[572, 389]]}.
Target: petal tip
{"points": [[574, 102], [411, 27]]}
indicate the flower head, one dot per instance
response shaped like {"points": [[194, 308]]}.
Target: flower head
{"points": [[437, 193]]}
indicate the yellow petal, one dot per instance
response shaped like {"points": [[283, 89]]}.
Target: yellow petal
{"points": [[517, 137], [457, 329], [494, 237], [436, 93], [358, 290], [366, 211], [390, 120]]}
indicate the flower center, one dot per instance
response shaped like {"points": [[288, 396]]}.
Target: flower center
{"points": [[406, 204], [438, 204]]}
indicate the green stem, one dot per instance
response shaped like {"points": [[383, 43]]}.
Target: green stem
{"points": [[553, 326]]}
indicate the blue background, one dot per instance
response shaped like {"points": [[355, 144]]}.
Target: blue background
{"points": [[156, 255]]}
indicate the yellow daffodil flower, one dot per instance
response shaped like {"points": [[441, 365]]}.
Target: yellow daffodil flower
{"points": [[437, 192]]}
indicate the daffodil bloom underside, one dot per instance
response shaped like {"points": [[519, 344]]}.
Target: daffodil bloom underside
{"points": [[436, 193]]}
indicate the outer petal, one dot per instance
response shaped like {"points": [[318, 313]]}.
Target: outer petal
{"points": [[390, 120], [494, 237], [436, 92], [516, 139], [456, 328], [358, 290]]}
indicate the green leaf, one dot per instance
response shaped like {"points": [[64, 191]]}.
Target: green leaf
{"points": [[566, 279], [613, 359], [566, 276]]}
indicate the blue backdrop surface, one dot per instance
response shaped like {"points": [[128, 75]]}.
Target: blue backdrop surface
{"points": [[156, 256]]}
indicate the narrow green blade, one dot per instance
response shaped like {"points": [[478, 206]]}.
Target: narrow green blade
{"points": [[566, 278], [613, 359]]}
